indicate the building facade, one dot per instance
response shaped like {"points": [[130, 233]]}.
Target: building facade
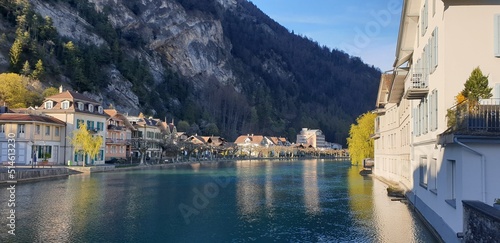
{"points": [[119, 135], [313, 137], [74, 109], [34, 138], [392, 136], [147, 137], [441, 161]]}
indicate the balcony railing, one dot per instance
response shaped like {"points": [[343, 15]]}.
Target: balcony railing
{"points": [[116, 141], [416, 86], [475, 117]]}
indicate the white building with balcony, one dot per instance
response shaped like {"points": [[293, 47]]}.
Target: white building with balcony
{"points": [[440, 42]]}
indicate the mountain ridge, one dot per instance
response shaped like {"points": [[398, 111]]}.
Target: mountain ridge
{"points": [[221, 62]]}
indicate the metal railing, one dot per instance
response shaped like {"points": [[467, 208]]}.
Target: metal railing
{"points": [[475, 117], [416, 79]]}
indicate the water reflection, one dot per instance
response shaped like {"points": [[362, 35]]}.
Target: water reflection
{"points": [[311, 190], [248, 190], [269, 187], [391, 221], [290, 201]]}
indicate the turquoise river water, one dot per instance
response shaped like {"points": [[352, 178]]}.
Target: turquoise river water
{"points": [[238, 201]]}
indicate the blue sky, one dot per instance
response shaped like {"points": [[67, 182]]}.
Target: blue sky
{"points": [[364, 28]]}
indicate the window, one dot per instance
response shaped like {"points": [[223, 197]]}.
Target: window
{"points": [[78, 156], [99, 109], [56, 131], [424, 18], [2, 128], [37, 129], [425, 116], [80, 106], [47, 130], [42, 152], [451, 171], [79, 122], [65, 105], [49, 104], [433, 173], [423, 171], [433, 110], [434, 50], [497, 35], [100, 126], [20, 128], [433, 7], [90, 125], [91, 108]]}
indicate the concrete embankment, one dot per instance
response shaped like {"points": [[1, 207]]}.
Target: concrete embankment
{"points": [[30, 174], [92, 169]]}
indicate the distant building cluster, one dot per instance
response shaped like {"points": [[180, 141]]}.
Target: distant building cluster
{"points": [[44, 134]]}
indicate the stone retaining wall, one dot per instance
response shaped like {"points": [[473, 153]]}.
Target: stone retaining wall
{"points": [[481, 222], [33, 174]]}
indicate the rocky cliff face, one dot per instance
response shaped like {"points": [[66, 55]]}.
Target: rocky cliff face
{"points": [[211, 61], [192, 43]]}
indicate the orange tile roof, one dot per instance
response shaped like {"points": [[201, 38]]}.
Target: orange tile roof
{"points": [[17, 117], [71, 95]]}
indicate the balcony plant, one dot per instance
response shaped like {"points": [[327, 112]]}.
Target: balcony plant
{"points": [[467, 101], [46, 157], [496, 203]]}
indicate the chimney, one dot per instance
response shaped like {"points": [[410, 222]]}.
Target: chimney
{"points": [[60, 89]]}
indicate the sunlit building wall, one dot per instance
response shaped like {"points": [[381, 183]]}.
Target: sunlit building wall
{"points": [[439, 44]]}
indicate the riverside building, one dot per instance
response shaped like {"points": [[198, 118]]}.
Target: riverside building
{"points": [[440, 152]]}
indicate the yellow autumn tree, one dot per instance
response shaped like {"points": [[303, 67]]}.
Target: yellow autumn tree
{"points": [[12, 90], [451, 119], [86, 142], [14, 93], [359, 142]]}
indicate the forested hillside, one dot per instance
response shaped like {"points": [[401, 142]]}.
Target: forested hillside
{"points": [[222, 66]]}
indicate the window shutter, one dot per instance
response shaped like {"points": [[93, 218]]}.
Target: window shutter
{"points": [[436, 115], [497, 35], [436, 41]]}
